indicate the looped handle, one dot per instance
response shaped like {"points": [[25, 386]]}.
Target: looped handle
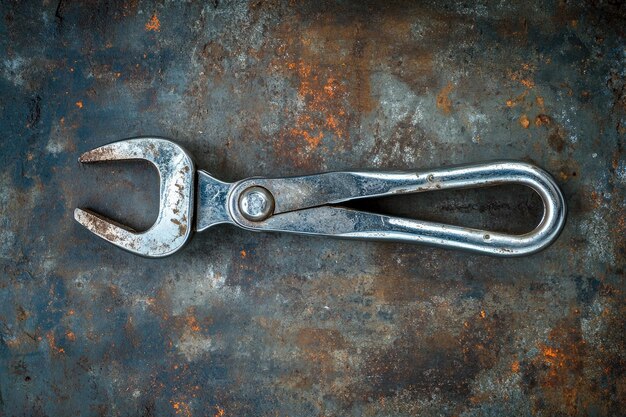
{"points": [[301, 206], [476, 240]]}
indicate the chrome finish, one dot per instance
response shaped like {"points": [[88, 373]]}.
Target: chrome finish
{"points": [[173, 225], [212, 205], [302, 206], [307, 205], [256, 204]]}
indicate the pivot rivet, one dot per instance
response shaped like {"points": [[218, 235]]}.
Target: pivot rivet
{"points": [[256, 204]]}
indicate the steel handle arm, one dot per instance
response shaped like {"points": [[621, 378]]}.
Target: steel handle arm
{"points": [[299, 200]]}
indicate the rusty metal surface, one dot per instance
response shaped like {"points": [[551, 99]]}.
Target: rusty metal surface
{"points": [[177, 179], [243, 324]]}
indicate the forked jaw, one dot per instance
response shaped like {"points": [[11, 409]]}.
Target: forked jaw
{"points": [[173, 226]]}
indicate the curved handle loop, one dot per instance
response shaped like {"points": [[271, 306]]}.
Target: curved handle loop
{"points": [[476, 240], [301, 206]]}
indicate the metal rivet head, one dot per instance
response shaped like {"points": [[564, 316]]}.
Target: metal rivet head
{"points": [[256, 204]]}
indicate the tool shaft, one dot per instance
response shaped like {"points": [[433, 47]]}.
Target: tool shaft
{"points": [[301, 206]]}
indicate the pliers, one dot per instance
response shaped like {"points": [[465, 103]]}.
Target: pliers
{"points": [[193, 200]]}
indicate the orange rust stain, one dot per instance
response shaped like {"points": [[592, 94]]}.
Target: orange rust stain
{"points": [[523, 120], [550, 353], [515, 367], [219, 412], [318, 344], [331, 122], [316, 338], [322, 97], [181, 408], [561, 368], [153, 24], [332, 82], [313, 141], [512, 102], [542, 120], [523, 76], [443, 100], [79, 104], [243, 254], [539, 100], [330, 87], [192, 323], [479, 398], [52, 343], [596, 199]]}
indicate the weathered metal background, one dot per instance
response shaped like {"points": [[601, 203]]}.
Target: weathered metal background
{"points": [[244, 324]]}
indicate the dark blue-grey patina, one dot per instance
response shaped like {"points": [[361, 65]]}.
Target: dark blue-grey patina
{"points": [[246, 324]]}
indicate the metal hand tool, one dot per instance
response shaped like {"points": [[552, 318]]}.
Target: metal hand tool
{"points": [[193, 200]]}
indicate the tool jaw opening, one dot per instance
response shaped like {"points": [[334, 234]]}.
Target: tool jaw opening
{"points": [[173, 226]]}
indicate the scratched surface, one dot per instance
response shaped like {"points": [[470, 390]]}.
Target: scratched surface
{"points": [[245, 324]]}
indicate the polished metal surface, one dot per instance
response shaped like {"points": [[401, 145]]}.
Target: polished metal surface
{"points": [[298, 210], [172, 227], [306, 205], [256, 204], [212, 202]]}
